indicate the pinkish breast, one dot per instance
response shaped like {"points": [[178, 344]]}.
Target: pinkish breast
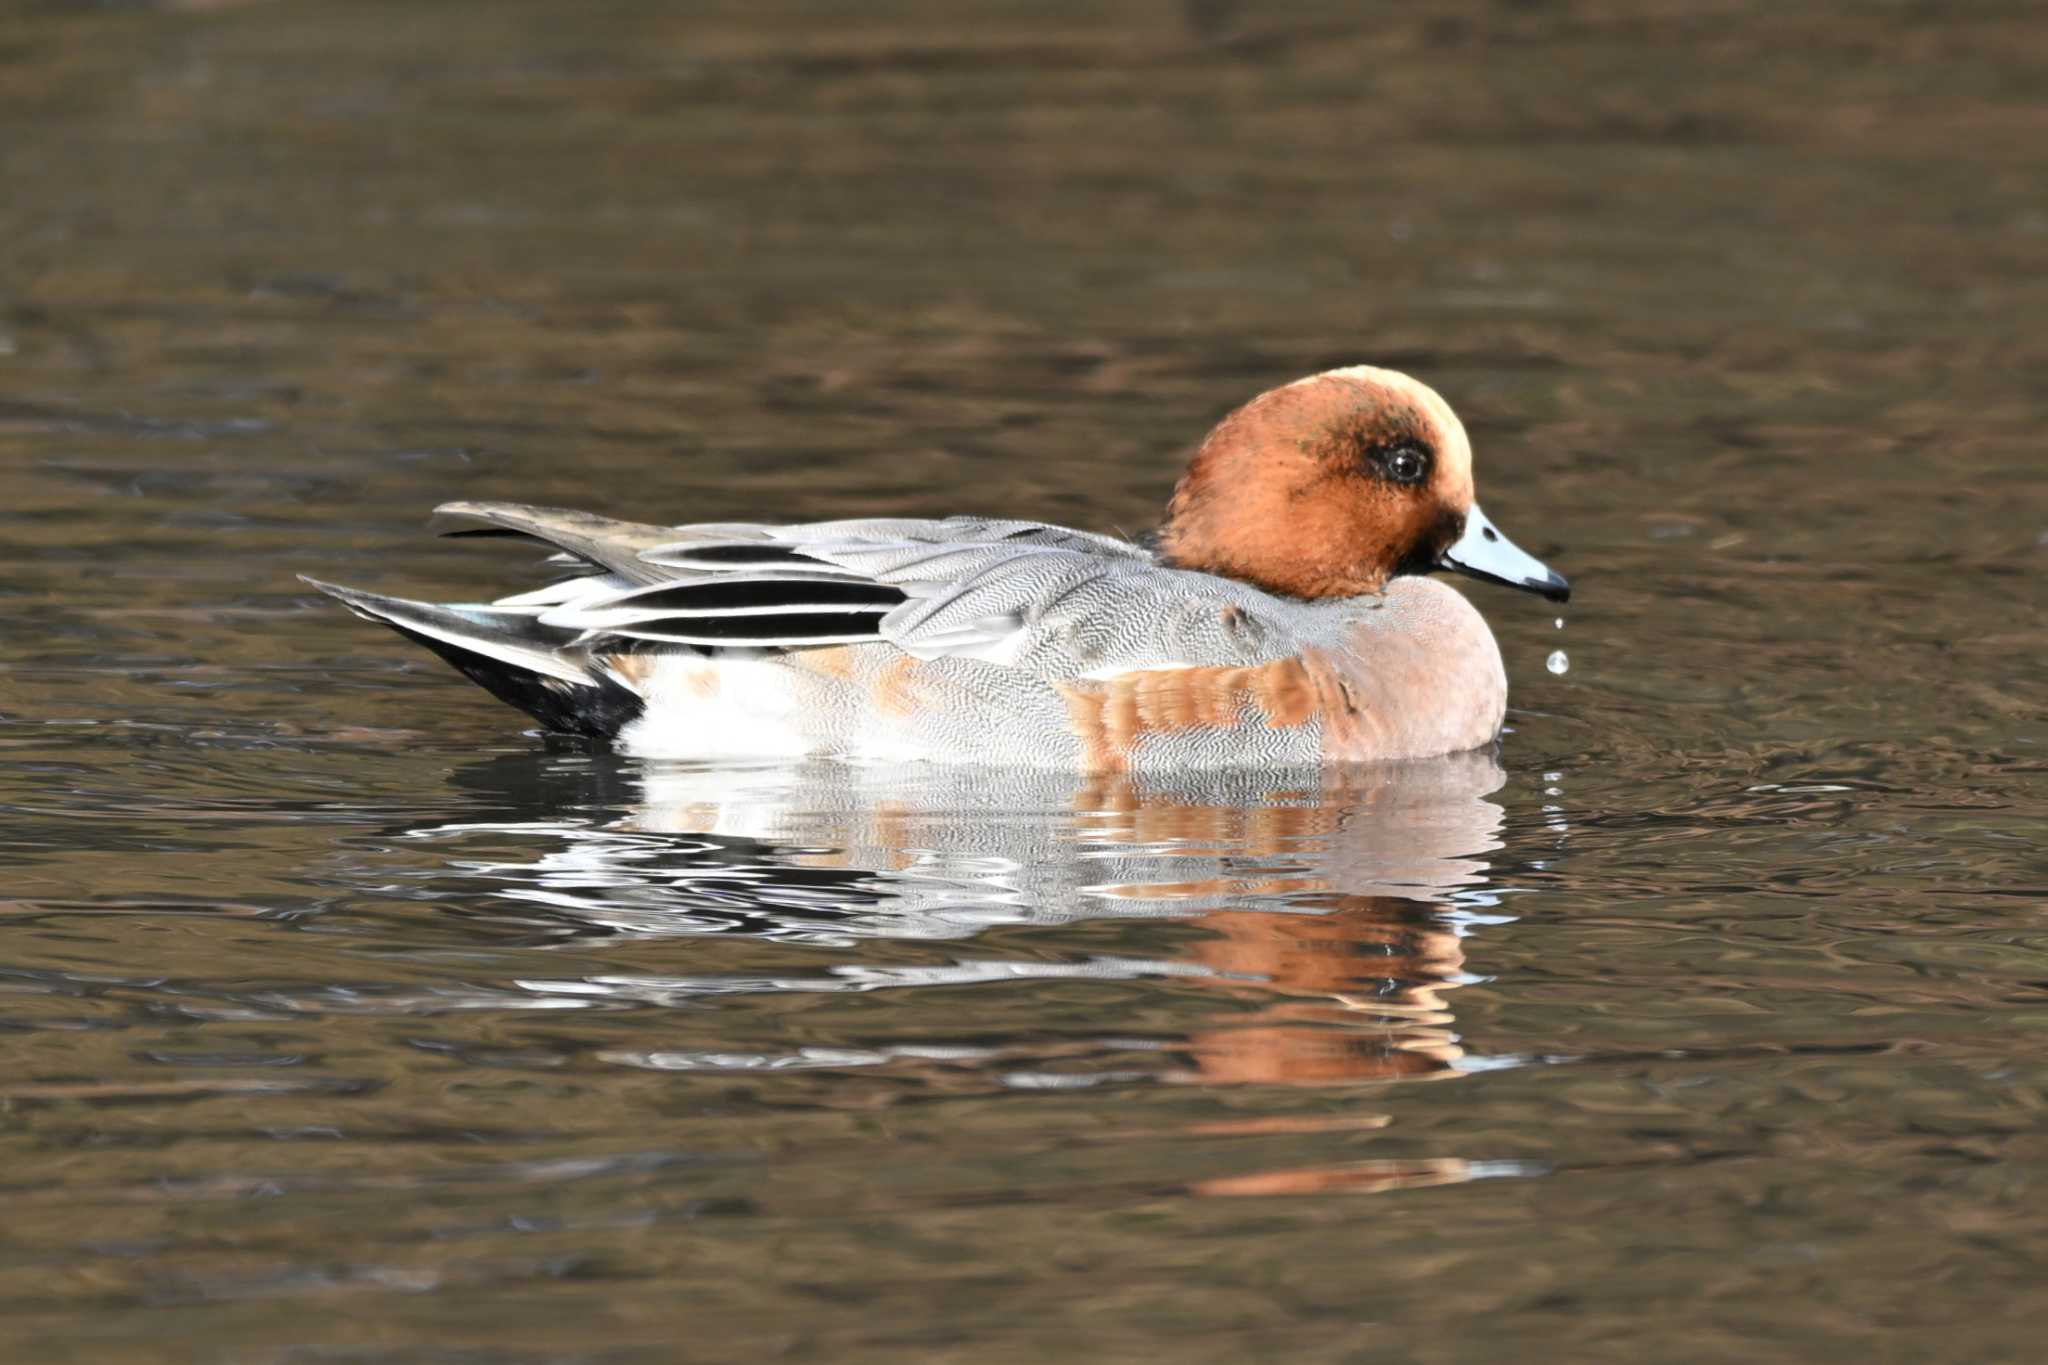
{"points": [[1422, 674]]}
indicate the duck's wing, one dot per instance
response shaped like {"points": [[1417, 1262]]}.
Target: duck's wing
{"points": [[1070, 602], [956, 586], [728, 585]]}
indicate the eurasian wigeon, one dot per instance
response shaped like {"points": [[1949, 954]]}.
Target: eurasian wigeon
{"points": [[1279, 615]]}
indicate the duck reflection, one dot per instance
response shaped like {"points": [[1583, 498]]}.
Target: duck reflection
{"points": [[1327, 909], [1362, 982]]}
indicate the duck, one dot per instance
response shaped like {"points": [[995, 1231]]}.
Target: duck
{"points": [[1283, 613]]}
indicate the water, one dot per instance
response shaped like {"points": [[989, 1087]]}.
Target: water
{"points": [[344, 1021]]}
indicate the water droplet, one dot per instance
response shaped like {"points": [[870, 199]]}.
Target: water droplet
{"points": [[1553, 777], [1560, 623], [1557, 662]]}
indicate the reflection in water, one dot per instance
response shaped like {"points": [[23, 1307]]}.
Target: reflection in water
{"points": [[1328, 908]]}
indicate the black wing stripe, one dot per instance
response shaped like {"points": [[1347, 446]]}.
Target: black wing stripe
{"points": [[721, 557], [824, 627], [756, 594], [495, 533], [737, 555]]}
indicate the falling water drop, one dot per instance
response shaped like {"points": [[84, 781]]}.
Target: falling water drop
{"points": [[1559, 623], [1557, 662]]}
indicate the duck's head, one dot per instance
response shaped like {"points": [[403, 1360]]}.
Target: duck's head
{"points": [[1331, 485]]}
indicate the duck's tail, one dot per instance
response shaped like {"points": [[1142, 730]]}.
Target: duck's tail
{"points": [[508, 653]]}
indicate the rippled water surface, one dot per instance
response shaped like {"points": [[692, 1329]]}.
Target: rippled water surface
{"points": [[342, 1020]]}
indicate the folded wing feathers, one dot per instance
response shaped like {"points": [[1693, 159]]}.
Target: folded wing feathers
{"points": [[965, 586], [792, 631], [565, 592], [737, 556], [688, 608]]}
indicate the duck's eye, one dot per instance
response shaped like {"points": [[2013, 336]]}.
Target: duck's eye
{"points": [[1403, 464]]}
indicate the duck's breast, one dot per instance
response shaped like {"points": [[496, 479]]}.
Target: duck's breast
{"points": [[1421, 673]]}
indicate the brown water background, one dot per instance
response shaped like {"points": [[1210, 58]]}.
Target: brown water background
{"points": [[340, 1020]]}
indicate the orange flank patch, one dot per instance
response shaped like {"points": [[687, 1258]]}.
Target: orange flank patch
{"points": [[831, 661], [898, 689], [635, 669], [1112, 715]]}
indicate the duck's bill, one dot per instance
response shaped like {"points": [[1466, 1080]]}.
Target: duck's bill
{"points": [[1484, 552]]}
